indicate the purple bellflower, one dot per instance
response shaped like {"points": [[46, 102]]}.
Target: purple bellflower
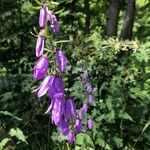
{"points": [[57, 88], [61, 60], [90, 98], [40, 68], [43, 16], [90, 123], [84, 78], [54, 22], [83, 110], [78, 125], [71, 137], [39, 46], [57, 110], [70, 109], [89, 88]]}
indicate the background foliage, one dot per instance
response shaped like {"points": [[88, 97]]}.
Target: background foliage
{"points": [[119, 72]]}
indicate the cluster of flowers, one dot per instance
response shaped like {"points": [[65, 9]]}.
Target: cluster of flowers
{"points": [[63, 110]]}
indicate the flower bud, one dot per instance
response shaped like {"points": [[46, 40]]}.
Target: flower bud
{"points": [[89, 88], [71, 137], [43, 16], [61, 60], [78, 125], [54, 23], [40, 68], [70, 109], [90, 124], [90, 98], [83, 110], [39, 46]]}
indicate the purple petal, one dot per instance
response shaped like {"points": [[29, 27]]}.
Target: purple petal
{"points": [[45, 85], [64, 126], [89, 88], [83, 110], [57, 87], [90, 123], [71, 137], [61, 60], [40, 68], [90, 98], [84, 78], [54, 23], [78, 125], [70, 109], [43, 16], [39, 46], [57, 111]]}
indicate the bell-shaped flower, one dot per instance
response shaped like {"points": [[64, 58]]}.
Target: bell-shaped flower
{"points": [[46, 84], [90, 98], [56, 88], [64, 126], [40, 68], [89, 88], [39, 46], [61, 60], [57, 110], [84, 78], [71, 137], [43, 16], [54, 23], [83, 110], [90, 123], [70, 109], [78, 125]]}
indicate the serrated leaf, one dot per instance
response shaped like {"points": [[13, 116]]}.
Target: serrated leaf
{"points": [[103, 144], [18, 134]]}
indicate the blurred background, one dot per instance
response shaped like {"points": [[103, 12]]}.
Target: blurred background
{"points": [[111, 39]]}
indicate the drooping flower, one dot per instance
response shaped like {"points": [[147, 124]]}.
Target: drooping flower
{"points": [[83, 110], [71, 137], [39, 46], [61, 60], [70, 109], [64, 126], [90, 98], [46, 84], [56, 88], [90, 124], [57, 110], [43, 16], [84, 78], [40, 68], [89, 88], [54, 22], [78, 125]]}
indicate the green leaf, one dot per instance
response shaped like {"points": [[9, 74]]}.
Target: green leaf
{"points": [[118, 142], [124, 115], [18, 134], [146, 126], [6, 113], [103, 144], [3, 143], [84, 139]]}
